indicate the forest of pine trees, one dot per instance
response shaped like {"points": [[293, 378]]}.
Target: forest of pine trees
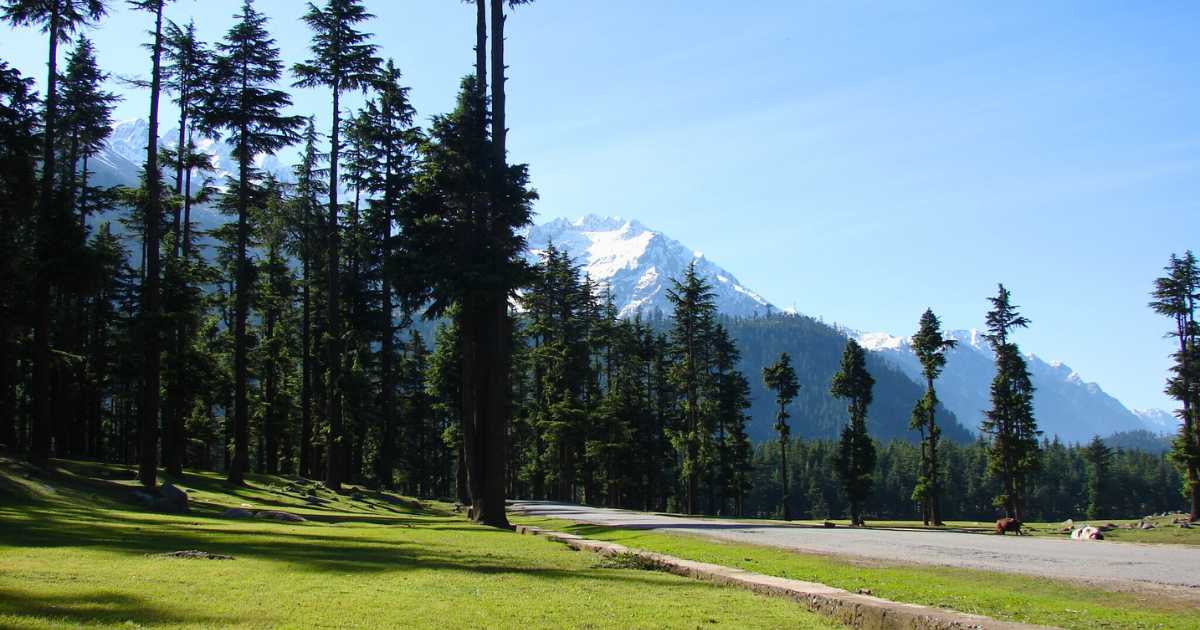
{"points": [[373, 320]]}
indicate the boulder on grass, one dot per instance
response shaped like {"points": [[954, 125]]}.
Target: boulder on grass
{"points": [[167, 498], [172, 499], [237, 513], [276, 515]]}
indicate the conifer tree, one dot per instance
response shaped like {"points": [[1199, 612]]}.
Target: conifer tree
{"points": [[1176, 295], [310, 187], [780, 378], [185, 74], [930, 347], [86, 111], [694, 309], [855, 457], [59, 20], [19, 135], [389, 153], [731, 402], [152, 213], [1010, 422], [343, 61], [455, 247], [1099, 458], [244, 105]]}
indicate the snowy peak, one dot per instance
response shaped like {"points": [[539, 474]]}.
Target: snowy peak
{"points": [[1158, 420], [638, 264], [1065, 404], [124, 154]]}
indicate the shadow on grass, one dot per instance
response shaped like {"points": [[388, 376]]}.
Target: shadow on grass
{"points": [[429, 543], [106, 607]]}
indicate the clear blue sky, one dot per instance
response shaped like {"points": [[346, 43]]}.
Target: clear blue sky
{"points": [[860, 161]]}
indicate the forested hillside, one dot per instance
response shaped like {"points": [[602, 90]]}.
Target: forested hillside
{"points": [[816, 348]]}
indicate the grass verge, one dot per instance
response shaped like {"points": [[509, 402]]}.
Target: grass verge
{"points": [[1001, 596]]}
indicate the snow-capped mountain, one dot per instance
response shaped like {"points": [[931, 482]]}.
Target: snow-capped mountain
{"points": [[1158, 420], [1064, 404], [637, 264], [120, 162]]}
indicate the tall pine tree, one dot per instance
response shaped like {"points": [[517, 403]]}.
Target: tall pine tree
{"points": [[343, 61], [244, 105], [855, 458], [930, 347]]}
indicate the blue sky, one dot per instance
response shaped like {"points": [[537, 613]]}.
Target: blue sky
{"points": [[861, 161]]}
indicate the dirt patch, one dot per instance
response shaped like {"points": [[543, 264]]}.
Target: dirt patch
{"points": [[190, 554]]}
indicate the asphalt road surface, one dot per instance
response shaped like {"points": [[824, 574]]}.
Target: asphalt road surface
{"points": [[1130, 563]]}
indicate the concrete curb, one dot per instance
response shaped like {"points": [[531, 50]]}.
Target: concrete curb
{"points": [[857, 611]]}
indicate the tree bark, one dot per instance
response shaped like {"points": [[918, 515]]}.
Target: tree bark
{"points": [[306, 455], [42, 427], [783, 474], [151, 342], [334, 456]]}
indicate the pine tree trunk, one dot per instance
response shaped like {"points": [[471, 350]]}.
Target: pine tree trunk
{"points": [[306, 455], [783, 474], [481, 46], [270, 429], [42, 428], [335, 444], [385, 470], [241, 422], [935, 487], [151, 341]]}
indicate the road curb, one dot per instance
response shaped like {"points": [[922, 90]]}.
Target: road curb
{"points": [[855, 610]]}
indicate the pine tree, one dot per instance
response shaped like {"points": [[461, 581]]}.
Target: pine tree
{"points": [[443, 381], [58, 19], [855, 457], [19, 136], [1175, 295], [310, 187], [243, 104], [731, 402], [455, 247], [1010, 422], [342, 61], [780, 378], [694, 310], [390, 141], [152, 283], [930, 347], [1099, 459], [86, 111]]}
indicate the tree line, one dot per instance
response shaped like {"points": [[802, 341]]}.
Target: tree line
{"points": [[280, 350], [1078, 481], [373, 318]]}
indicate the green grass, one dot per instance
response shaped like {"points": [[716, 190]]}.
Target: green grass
{"points": [[1001, 596], [73, 553]]}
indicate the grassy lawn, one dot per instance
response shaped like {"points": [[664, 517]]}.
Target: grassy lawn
{"points": [[1002, 596], [73, 553]]}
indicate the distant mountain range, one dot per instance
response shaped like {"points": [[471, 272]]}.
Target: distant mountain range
{"points": [[1064, 404], [637, 264]]}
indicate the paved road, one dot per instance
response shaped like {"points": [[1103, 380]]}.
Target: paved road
{"points": [[1132, 564]]}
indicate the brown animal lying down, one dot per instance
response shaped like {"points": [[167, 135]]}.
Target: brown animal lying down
{"points": [[1005, 525]]}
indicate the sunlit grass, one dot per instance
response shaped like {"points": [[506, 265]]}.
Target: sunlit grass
{"points": [[73, 553]]}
